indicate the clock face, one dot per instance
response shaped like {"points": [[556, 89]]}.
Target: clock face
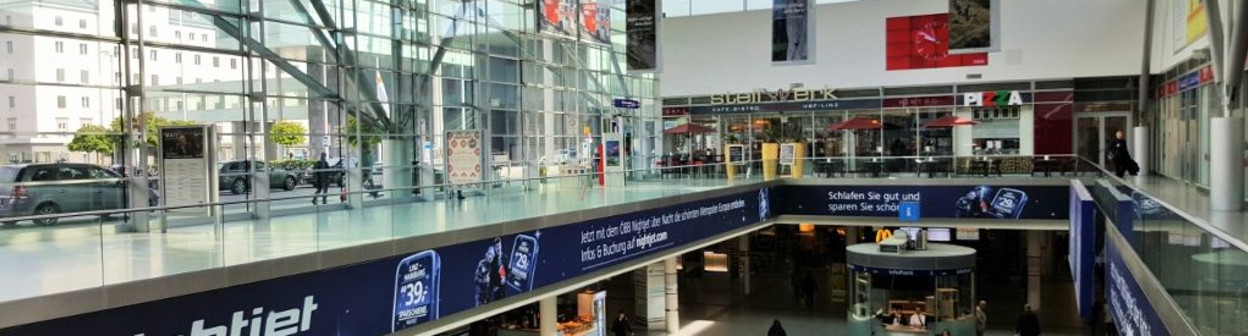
{"points": [[928, 44]]}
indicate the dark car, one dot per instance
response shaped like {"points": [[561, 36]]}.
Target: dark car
{"points": [[235, 176], [52, 188]]}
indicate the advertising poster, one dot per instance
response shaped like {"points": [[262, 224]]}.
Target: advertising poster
{"points": [[922, 42], [736, 154], [596, 21], [1197, 22], [185, 167], [791, 32], [972, 26], [642, 30], [967, 201], [1131, 311], [395, 293], [787, 153], [1082, 254], [557, 17], [463, 156]]}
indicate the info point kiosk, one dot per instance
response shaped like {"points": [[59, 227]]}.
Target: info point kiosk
{"points": [[899, 277], [612, 149]]}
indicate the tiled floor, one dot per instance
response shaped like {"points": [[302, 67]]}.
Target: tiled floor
{"points": [[42, 260]]}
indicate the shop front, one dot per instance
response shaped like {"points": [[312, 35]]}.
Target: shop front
{"points": [[898, 126]]}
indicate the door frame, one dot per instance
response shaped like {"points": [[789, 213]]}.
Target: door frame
{"points": [[1100, 125]]}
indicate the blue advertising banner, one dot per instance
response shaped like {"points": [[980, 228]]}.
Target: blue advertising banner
{"points": [[984, 201], [1082, 256], [1131, 311], [390, 294]]}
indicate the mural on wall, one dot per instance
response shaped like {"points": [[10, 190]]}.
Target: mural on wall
{"points": [[972, 26], [922, 42]]}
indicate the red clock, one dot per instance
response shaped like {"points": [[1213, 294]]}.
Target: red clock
{"points": [[928, 42]]}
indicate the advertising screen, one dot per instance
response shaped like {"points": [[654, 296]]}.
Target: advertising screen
{"points": [[922, 42]]}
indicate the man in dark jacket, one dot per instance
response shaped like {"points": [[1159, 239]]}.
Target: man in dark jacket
{"points": [[622, 326], [1028, 323], [1121, 156], [776, 329], [320, 178]]}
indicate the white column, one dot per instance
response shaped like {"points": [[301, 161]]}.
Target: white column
{"points": [[673, 303], [649, 296], [548, 311], [1033, 267], [744, 248], [1139, 151], [1226, 168]]}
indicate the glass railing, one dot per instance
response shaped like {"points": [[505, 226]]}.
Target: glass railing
{"points": [[1203, 269], [941, 166], [79, 233], [102, 239]]}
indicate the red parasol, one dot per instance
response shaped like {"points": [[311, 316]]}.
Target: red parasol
{"points": [[689, 129], [950, 121]]}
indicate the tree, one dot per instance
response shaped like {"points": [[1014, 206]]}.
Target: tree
{"points": [[366, 140], [97, 139], [152, 123], [287, 133], [94, 139]]}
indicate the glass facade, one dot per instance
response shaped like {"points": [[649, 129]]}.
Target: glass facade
{"points": [[372, 84]]}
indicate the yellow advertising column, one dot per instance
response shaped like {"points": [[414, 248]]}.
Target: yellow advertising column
{"points": [[729, 165], [799, 155], [771, 155]]}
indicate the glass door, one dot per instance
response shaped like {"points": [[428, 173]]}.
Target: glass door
{"points": [[1093, 134]]}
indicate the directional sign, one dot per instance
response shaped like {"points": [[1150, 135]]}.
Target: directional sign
{"points": [[627, 103], [908, 211]]}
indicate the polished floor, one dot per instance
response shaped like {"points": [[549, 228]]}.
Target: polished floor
{"points": [[715, 305], [44, 260]]}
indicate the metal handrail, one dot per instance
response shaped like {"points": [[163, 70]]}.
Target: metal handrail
{"points": [[286, 198]]}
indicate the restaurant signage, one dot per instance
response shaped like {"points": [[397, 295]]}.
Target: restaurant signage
{"points": [[994, 98], [781, 95], [919, 101], [675, 111], [846, 104]]}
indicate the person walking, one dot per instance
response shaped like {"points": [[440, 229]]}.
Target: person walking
{"points": [[320, 178], [1121, 156], [1028, 323], [795, 280], [808, 289], [981, 319], [622, 326], [776, 329]]}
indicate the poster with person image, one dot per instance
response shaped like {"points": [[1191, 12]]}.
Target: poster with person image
{"points": [[596, 21], [642, 35], [791, 32], [557, 17]]}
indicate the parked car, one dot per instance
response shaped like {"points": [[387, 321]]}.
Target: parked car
{"points": [[52, 188], [234, 176]]}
